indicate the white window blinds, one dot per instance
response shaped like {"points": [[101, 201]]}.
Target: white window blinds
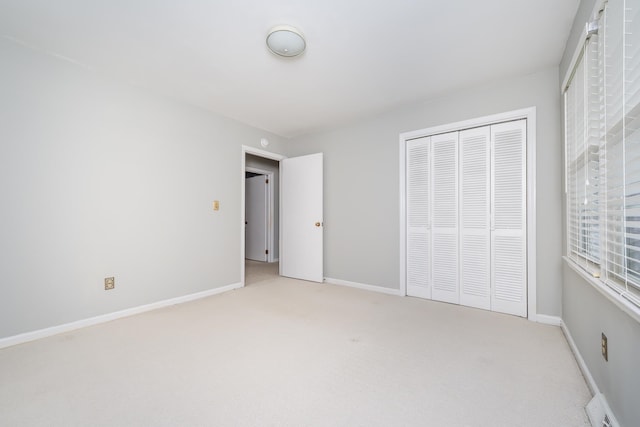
{"points": [[583, 140], [602, 128]]}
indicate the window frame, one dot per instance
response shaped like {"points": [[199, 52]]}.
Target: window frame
{"points": [[613, 271]]}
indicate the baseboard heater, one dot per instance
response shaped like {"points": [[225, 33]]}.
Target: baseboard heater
{"points": [[599, 413]]}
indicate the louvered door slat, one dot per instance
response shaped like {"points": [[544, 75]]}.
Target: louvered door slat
{"points": [[444, 227], [508, 241], [418, 233], [475, 286]]}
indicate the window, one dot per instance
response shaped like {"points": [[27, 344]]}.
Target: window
{"points": [[583, 150], [602, 130]]}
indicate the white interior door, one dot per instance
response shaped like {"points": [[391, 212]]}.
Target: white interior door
{"points": [[418, 217], [444, 227], [256, 209], [475, 239], [301, 215], [509, 214], [465, 216]]}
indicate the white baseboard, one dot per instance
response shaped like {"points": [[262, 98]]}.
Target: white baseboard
{"points": [[549, 320], [67, 327], [372, 288], [591, 383], [598, 407]]}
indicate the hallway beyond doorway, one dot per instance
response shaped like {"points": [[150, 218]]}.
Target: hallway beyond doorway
{"points": [[256, 271]]}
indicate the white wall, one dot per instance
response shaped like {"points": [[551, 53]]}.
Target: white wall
{"points": [[587, 313], [101, 179], [362, 180]]}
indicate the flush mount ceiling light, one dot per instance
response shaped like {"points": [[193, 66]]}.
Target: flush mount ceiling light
{"points": [[284, 40]]}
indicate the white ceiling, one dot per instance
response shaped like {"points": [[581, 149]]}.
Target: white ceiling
{"points": [[363, 56]]}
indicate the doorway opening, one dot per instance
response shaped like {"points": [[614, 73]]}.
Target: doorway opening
{"points": [[260, 242], [300, 241], [260, 212]]}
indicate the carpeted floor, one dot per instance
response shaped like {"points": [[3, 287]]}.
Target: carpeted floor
{"points": [[256, 271], [282, 352]]}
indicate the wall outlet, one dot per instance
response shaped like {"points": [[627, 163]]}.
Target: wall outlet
{"points": [[605, 347], [109, 283]]}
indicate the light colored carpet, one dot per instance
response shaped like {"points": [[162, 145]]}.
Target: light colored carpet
{"points": [[256, 271], [282, 352]]}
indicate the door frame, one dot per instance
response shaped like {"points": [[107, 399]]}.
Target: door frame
{"points": [[270, 210], [259, 153], [526, 113]]}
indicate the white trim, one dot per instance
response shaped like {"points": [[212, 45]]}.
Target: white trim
{"points": [[467, 124], [372, 288], [526, 113], [598, 406], [626, 306], [532, 242], [260, 153], [574, 61], [403, 214], [72, 326], [577, 53], [591, 383], [545, 319], [257, 170]]}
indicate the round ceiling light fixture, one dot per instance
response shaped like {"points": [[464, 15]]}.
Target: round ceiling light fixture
{"points": [[284, 40]]}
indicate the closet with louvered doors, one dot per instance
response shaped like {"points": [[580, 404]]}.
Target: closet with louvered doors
{"points": [[466, 217]]}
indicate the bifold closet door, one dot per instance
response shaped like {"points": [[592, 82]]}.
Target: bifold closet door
{"points": [[418, 160], [508, 236], [444, 218], [475, 239], [466, 217]]}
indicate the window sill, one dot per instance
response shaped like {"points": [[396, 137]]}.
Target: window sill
{"points": [[619, 301]]}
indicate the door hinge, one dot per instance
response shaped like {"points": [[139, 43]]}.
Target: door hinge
{"points": [[266, 181], [266, 251]]}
